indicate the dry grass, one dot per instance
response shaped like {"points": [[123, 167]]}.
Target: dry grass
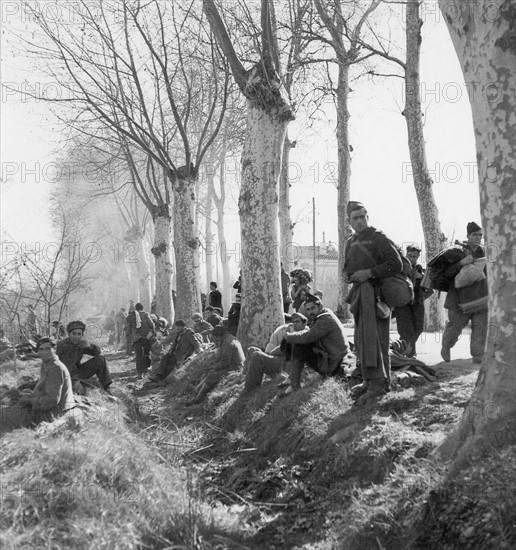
{"points": [[308, 471]]}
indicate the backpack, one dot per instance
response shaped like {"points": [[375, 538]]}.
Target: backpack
{"points": [[435, 277]]}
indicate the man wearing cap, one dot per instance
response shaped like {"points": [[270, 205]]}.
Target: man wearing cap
{"points": [[229, 356], [51, 398], [142, 331], [273, 361], [457, 320], [321, 346], [213, 318], [369, 257], [71, 350], [234, 315], [411, 317], [202, 327], [184, 344]]}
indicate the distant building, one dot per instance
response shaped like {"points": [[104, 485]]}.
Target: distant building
{"points": [[326, 268]]}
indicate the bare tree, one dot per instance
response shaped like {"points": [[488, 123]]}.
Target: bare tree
{"points": [[410, 68], [344, 24], [124, 73], [268, 114], [483, 34]]}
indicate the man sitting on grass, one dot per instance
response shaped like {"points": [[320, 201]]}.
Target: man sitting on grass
{"points": [[273, 361], [185, 343], [51, 398], [322, 346], [230, 356], [71, 350]]}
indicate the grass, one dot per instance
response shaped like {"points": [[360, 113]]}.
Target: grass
{"points": [[308, 471]]}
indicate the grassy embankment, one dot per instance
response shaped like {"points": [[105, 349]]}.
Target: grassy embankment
{"points": [[307, 471]]}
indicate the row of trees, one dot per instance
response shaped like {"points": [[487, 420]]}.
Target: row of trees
{"points": [[152, 86], [155, 81]]}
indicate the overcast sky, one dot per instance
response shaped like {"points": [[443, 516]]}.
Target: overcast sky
{"points": [[381, 172]]}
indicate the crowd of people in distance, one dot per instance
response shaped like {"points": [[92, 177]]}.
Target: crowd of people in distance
{"points": [[383, 282]]}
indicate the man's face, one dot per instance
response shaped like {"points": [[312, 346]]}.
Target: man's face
{"points": [[312, 310], [358, 220], [475, 238], [76, 335], [299, 324], [46, 351], [413, 256], [217, 340]]}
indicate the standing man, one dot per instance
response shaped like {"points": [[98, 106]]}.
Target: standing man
{"points": [[369, 257], [285, 289], [410, 318], [141, 331], [457, 320], [119, 324], [71, 350], [214, 298], [321, 346]]}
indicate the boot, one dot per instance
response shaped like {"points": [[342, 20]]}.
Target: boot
{"points": [[359, 389], [445, 354], [376, 388]]}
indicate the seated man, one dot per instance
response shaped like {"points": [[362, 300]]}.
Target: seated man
{"points": [[6, 348], [272, 361], [202, 327], [213, 318], [230, 356], [184, 344], [322, 346], [70, 351], [51, 398]]}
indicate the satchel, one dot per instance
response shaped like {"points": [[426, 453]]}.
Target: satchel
{"points": [[397, 290], [473, 298], [471, 273]]}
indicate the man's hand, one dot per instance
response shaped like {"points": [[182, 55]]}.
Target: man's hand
{"points": [[467, 260], [361, 276], [83, 344]]}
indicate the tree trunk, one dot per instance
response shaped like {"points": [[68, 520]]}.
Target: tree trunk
{"points": [[486, 49], [344, 175], [220, 203], [429, 214], [211, 253], [285, 220], [262, 309], [186, 246], [163, 260], [135, 255]]}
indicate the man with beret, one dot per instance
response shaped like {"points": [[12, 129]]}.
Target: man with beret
{"points": [[457, 320], [71, 350], [185, 344], [321, 346], [369, 257], [273, 361], [51, 398], [202, 327], [229, 356], [410, 318]]}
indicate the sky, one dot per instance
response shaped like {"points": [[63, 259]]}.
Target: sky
{"points": [[381, 179]]}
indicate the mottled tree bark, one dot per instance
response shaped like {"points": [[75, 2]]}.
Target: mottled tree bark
{"points": [[163, 260], [423, 183], [262, 309], [344, 180], [484, 36], [287, 251], [186, 248]]}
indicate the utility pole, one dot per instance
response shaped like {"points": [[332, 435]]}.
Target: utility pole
{"points": [[314, 270]]}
